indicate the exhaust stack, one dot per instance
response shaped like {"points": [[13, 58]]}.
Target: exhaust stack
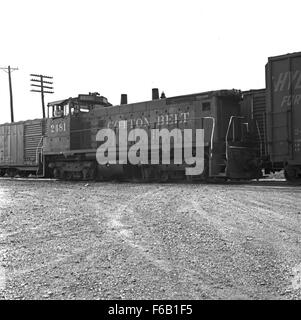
{"points": [[124, 99], [155, 93]]}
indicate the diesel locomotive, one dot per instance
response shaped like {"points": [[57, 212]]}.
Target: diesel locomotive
{"points": [[68, 137]]}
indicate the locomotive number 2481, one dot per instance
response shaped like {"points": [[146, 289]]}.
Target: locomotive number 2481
{"points": [[58, 127]]}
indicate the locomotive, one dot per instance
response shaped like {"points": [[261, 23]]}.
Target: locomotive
{"points": [[68, 144], [244, 133]]}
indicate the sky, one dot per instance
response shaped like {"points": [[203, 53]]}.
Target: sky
{"points": [[132, 46]]}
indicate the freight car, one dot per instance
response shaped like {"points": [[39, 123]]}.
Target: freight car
{"points": [[283, 85], [231, 141], [21, 147]]}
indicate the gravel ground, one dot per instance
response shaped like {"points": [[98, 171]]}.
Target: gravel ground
{"points": [[61, 240]]}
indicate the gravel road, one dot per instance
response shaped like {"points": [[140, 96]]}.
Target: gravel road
{"points": [[63, 240]]}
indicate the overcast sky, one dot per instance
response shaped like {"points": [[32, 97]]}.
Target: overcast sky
{"points": [[131, 46]]}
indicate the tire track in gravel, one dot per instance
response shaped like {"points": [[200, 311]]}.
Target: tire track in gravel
{"points": [[124, 221], [150, 241], [3, 247], [226, 220], [46, 245], [139, 217], [191, 248], [271, 238]]}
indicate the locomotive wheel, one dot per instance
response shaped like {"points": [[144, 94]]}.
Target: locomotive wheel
{"points": [[188, 178], [68, 175], [23, 174], [2, 173], [92, 173], [56, 173], [146, 173], [164, 176], [12, 173], [88, 173], [290, 174]]}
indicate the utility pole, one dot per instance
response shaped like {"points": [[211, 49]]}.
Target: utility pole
{"points": [[9, 70], [38, 81]]}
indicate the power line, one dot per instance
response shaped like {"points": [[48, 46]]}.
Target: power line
{"points": [[41, 84], [9, 70]]}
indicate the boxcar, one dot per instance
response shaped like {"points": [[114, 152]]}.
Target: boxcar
{"points": [[283, 83], [21, 147]]}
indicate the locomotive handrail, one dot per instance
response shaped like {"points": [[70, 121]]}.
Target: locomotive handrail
{"points": [[212, 133], [260, 140], [37, 149], [228, 130], [40, 147], [211, 140]]}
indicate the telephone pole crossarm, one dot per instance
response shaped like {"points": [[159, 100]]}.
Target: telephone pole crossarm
{"points": [[40, 84]]}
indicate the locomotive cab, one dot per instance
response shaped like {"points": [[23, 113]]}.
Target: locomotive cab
{"points": [[68, 123], [67, 144], [57, 127]]}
